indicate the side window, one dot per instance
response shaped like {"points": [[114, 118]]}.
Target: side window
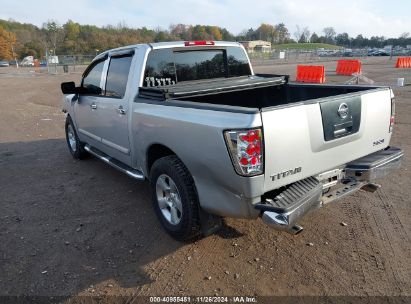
{"points": [[237, 62], [92, 79], [160, 69], [117, 76]]}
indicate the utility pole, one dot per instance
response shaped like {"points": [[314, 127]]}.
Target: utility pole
{"points": [[47, 60], [14, 55], [55, 56]]}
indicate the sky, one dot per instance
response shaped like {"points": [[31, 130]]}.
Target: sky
{"points": [[367, 17]]}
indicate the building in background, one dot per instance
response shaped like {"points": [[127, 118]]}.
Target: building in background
{"points": [[257, 46]]}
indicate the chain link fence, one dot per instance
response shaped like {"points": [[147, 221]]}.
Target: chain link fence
{"points": [[74, 60], [66, 63], [307, 56], [299, 56], [77, 63]]}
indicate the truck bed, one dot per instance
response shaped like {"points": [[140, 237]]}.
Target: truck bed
{"points": [[258, 91]]}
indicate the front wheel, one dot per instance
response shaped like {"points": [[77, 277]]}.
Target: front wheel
{"points": [[76, 148], [175, 198]]}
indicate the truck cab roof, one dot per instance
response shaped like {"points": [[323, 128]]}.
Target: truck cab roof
{"points": [[165, 45]]}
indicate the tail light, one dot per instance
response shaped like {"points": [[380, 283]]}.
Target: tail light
{"points": [[198, 42], [246, 151], [392, 117]]}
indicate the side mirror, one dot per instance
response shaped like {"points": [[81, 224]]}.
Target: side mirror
{"points": [[68, 87]]}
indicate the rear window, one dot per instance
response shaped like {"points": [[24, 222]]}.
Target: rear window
{"points": [[168, 67]]}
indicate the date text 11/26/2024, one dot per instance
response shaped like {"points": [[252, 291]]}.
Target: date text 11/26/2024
{"points": [[205, 299]]}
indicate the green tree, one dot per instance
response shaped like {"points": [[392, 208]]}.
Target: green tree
{"points": [[283, 35], [359, 41], [215, 33], [266, 32], [343, 39], [54, 35], [72, 30], [161, 36], [199, 33], [226, 35], [314, 38]]}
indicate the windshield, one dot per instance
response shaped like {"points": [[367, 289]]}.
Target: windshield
{"points": [[168, 66]]}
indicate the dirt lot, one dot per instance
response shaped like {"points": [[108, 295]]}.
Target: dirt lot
{"points": [[81, 228]]}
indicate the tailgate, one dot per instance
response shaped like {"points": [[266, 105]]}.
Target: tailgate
{"points": [[303, 140]]}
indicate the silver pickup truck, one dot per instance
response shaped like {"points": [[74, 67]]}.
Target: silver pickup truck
{"points": [[216, 140]]}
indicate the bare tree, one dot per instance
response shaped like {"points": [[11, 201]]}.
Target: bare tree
{"points": [[405, 35], [302, 34], [329, 34]]}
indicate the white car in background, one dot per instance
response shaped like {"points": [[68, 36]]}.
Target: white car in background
{"points": [[27, 61]]}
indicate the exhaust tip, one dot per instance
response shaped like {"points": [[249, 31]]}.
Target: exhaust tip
{"points": [[279, 222], [296, 229]]}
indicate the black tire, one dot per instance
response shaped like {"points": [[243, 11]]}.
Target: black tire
{"points": [[189, 226], [77, 151]]}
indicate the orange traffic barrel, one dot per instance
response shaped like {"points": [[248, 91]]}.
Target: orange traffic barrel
{"points": [[348, 67], [403, 62], [310, 73]]}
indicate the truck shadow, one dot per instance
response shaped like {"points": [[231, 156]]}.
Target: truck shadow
{"points": [[67, 226]]}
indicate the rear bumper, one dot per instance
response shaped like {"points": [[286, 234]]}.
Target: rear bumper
{"points": [[284, 210], [376, 165]]}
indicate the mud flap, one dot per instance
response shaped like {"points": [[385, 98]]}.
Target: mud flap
{"points": [[210, 223]]}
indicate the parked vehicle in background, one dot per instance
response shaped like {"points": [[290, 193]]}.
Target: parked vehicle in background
{"points": [[379, 52], [217, 140], [401, 52], [27, 61], [13, 62], [4, 63], [326, 53]]}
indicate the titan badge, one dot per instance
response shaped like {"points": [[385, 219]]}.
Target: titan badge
{"points": [[283, 174]]}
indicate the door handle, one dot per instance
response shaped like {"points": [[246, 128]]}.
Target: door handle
{"points": [[121, 111], [93, 106], [343, 128]]}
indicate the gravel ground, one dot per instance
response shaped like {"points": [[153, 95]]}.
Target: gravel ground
{"points": [[72, 228]]}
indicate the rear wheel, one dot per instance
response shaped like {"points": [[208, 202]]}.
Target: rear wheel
{"points": [[175, 198], [76, 147]]}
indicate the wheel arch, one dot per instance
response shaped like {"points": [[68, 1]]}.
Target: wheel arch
{"points": [[156, 151], [70, 117]]}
